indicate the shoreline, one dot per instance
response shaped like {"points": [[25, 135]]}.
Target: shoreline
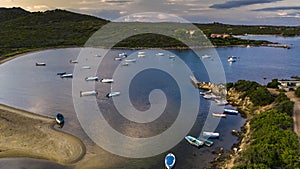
{"points": [[29, 135]]}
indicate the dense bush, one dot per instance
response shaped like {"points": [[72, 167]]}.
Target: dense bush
{"points": [[297, 92], [274, 84]]}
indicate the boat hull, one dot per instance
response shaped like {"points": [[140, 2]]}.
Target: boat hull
{"points": [[170, 161]]}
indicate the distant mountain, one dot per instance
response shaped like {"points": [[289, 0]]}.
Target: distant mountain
{"points": [[12, 13]]}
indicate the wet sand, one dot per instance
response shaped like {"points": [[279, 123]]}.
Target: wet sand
{"points": [[24, 134]]}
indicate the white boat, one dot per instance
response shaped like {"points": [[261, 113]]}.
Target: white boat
{"points": [[92, 78], [107, 80], [117, 59], [60, 120], [97, 55], [211, 96], [170, 161], [141, 55], [113, 94], [86, 67], [88, 93], [204, 92], [231, 59], [160, 54], [221, 102], [210, 134], [205, 56], [60, 73], [40, 64], [125, 64], [193, 141], [69, 75], [130, 60], [172, 57], [219, 115], [248, 46], [123, 55], [73, 61], [207, 142], [231, 111]]}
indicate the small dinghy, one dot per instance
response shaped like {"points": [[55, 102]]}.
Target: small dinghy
{"points": [[170, 161], [207, 134], [92, 78], [193, 141], [60, 120], [88, 93], [73, 61], [219, 115], [40, 64], [113, 94], [86, 67]]}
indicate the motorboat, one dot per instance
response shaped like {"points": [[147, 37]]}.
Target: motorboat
{"points": [[130, 60], [88, 93], [69, 75], [211, 96], [160, 54], [231, 59], [86, 67], [123, 55], [125, 64], [210, 134], [97, 55], [170, 160], [117, 59], [60, 120], [107, 80], [92, 78], [113, 94], [172, 57], [193, 141], [231, 111], [61, 73], [204, 92], [221, 102], [219, 115], [73, 61], [141, 55], [207, 142], [205, 56], [40, 64]]}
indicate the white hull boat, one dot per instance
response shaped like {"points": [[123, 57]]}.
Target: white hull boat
{"points": [[88, 93], [113, 94], [69, 75], [193, 141], [92, 78], [107, 80], [207, 134]]}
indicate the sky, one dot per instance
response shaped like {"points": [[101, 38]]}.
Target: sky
{"points": [[248, 12]]}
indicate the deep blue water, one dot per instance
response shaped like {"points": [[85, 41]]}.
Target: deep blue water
{"points": [[40, 90]]}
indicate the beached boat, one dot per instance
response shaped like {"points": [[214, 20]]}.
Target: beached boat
{"points": [[219, 115], [69, 75], [231, 111], [61, 73], [170, 160], [113, 94], [40, 64], [207, 142], [88, 93], [73, 61], [107, 80], [231, 59], [210, 134], [193, 141], [60, 120], [92, 78]]}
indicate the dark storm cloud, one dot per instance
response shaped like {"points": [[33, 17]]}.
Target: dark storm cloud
{"points": [[279, 8], [238, 3]]}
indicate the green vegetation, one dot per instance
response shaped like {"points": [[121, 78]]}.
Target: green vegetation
{"points": [[259, 95], [23, 31], [273, 144], [297, 92], [274, 84]]}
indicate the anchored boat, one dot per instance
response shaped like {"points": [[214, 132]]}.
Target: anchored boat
{"points": [[113, 94], [231, 111], [219, 115], [207, 142], [88, 93], [170, 161], [92, 78], [61, 73], [60, 120], [40, 64], [69, 75], [73, 61], [107, 80], [193, 141], [130, 60], [210, 134], [231, 59]]}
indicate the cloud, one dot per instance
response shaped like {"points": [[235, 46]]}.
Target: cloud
{"points": [[239, 3], [282, 8]]}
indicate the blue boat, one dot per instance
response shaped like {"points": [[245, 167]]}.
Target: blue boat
{"points": [[193, 141], [207, 142], [60, 120], [170, 161]]}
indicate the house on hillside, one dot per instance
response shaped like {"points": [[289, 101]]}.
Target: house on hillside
{"points": [[288, 85]]}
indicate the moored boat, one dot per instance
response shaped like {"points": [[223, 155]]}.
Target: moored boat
{"points": [[69, 75], [170, 160], [60, 120], [231, 111], [210, 134], [86, 67], [73, 61], [207, 142], [61, 73], [219, 115], [160, 54], [107, 80], [125, 64], [117, 59], [40, 64], [193, 141], [221, 102], [113, 94], [172, 57], [130, 60], [92, 78], [231, 59], [88, 93]]}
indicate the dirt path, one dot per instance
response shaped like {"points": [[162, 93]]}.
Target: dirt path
{"points": [[296, 115]]}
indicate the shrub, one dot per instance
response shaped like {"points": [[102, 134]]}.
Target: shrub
{"points": [[274, 84]]}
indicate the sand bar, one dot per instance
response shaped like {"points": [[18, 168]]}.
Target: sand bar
{"points": [[24, 134]]}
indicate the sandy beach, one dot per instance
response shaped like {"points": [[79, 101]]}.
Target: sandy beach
{"points": [[24, 134]]}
